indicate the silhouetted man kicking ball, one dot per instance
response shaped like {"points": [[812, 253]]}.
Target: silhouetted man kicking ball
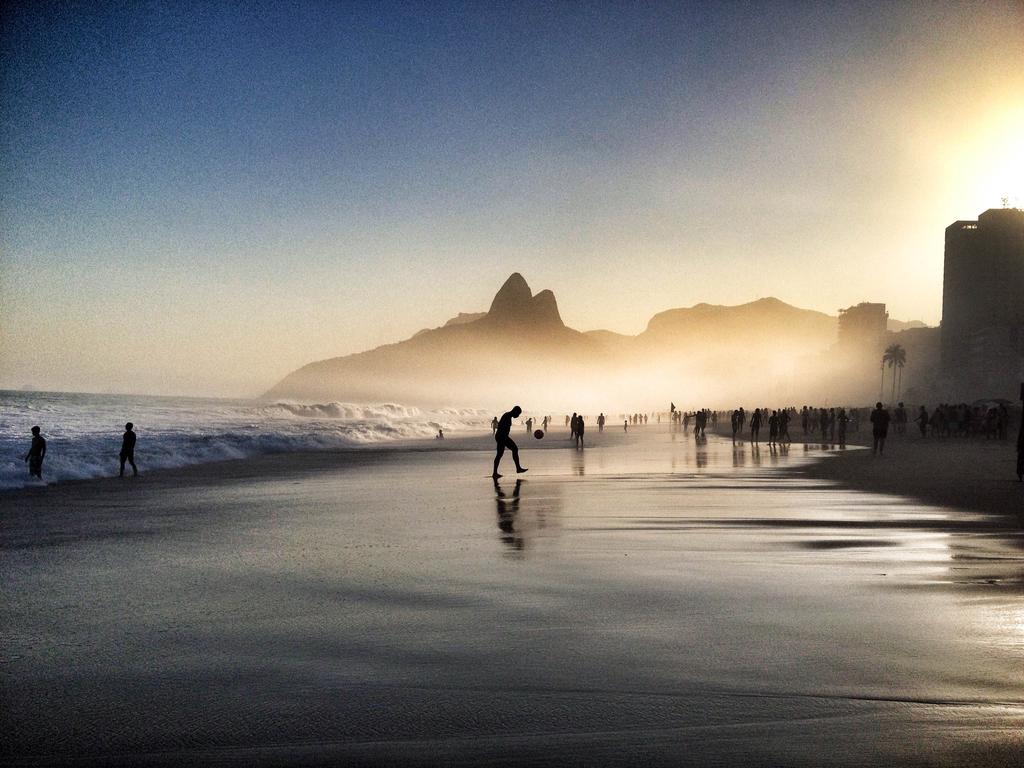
{"points": [[501, 437]]}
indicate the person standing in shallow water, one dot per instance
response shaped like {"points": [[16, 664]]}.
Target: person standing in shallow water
{"points": [[36, 454], [879, 428], [501, 437], [128, 449]]}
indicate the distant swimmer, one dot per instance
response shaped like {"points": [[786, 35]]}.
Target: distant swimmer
{"points": [[36, 454], [879, 428], [501, 437], [128, 449]]}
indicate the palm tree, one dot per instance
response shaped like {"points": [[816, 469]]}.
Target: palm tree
{"points": [[895, 357]]}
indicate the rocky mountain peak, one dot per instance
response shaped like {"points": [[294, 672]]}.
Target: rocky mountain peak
{"points": [[516, 303]]}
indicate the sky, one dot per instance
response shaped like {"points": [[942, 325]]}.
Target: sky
{"points": [[199, 198]]}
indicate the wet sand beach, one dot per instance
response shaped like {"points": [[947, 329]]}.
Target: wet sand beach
{"points": [[650, 600]]}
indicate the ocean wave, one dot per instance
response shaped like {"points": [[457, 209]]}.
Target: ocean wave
{"points": [[84, 432], [337, 410]]}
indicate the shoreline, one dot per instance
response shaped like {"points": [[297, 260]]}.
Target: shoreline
{"points": [[291, 463], [970, 475], [975, 476]]}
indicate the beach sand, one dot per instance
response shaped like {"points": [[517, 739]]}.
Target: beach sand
{"points": [[648, 601]]}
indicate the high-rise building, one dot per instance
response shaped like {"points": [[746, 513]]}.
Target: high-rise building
{"points": [[983, 303], [862, 327]]}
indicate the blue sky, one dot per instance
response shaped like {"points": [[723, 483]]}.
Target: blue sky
{"points": [[214, 193]]}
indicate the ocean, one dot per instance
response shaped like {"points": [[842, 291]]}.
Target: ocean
{"points": [[83, 431]]}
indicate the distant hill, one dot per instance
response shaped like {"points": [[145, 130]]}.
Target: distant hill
{"points": [[895, 326], [764, 321], [520, 350]]}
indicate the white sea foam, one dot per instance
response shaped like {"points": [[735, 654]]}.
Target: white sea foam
{"points": [[83, 432]]}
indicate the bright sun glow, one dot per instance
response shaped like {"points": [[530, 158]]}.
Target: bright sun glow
{"points": [[995, 166]]}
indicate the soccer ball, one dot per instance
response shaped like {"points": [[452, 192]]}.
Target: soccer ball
{"points": [[539, 434]]}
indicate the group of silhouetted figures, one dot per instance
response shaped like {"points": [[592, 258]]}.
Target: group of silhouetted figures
{"points": [[37, 451], [577, 427], [990, 423], [831, 424]]}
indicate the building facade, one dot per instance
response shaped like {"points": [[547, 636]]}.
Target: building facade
{"points": [[982, 346], [863, 326]]}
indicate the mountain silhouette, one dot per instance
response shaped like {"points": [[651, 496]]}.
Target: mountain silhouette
{"points": [[481, 355], [765, 320], [520, 349]]}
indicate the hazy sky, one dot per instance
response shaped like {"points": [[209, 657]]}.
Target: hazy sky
{"points": [[200, 198]]}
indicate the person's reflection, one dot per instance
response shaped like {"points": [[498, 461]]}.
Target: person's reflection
{"points": [[702, 454], [579, 463], [739, 456], [508, 508], [755, 455]]}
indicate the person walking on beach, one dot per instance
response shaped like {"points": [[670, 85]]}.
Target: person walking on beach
{"points": [[529, 424], [841, 420], [572, 426], [494, 425], [600, 422], [901, 419], [879, 428], [128, 449], [922, 421], [36, 454], [580, 429], [784, 426], [501, 437], [755, 424]]}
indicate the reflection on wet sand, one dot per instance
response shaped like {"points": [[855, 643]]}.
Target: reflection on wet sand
{"points": [[667, 600], [524, 514]]}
